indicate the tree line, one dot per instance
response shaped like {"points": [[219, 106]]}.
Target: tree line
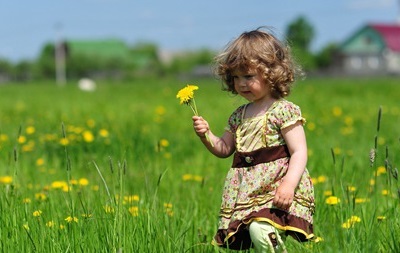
{"points": [[299, 34]]}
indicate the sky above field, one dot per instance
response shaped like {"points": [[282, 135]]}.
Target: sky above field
{"points": [[25, 26]]}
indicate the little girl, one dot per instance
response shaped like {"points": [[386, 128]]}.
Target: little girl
{"points": [[268, 192]]}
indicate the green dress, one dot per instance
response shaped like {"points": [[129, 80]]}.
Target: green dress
{"points": [[260, 162]]}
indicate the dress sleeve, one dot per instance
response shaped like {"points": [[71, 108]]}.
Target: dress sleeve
{"points": [[286, 114], [235, 119]]}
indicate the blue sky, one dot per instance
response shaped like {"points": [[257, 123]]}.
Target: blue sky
{"points": [[25, 26]]}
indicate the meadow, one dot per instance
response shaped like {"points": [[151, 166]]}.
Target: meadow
{"points": [[120, 169]]}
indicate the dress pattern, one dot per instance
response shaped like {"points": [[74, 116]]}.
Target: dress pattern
{"points": [[250, 187]]}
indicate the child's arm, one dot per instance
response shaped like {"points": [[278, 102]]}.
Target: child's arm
{"points": [[222, 147], [296, 141]]}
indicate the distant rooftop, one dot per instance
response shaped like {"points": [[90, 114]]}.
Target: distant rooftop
{"points": [[390, 34]]}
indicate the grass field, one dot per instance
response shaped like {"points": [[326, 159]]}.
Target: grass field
{"points": [[121, 170]]}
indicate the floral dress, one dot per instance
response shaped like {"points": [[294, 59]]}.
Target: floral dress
{"points": [[260, 162]]}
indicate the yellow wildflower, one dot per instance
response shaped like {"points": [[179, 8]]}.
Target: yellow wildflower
{"points": [[88, 136], [21, 139], [187, 94], [70, 219], [83, 181], [380, 170], [64, 141], [37, 213], [39, 161], [332, 200], [103, 133], [30, 130], [134, 210], [40, 196], [6, 180], [50, 224]]}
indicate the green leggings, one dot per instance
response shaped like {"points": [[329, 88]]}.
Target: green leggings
{"points": [[266, 238]]}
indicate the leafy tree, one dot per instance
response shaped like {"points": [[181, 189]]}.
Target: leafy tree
{"points": [[300, 33], [325, 57]]}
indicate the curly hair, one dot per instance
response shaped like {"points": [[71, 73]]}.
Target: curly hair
{"points": [[262, 51]]}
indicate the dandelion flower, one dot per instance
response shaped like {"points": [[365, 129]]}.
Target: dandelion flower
{"points": [[37, 213], [187, 94], [6, 180], [50, 224], [134, 211], [70, 219], [332, 200], [88, 136]]}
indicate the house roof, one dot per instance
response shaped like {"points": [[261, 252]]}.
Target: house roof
{"points": [[390, 34]]}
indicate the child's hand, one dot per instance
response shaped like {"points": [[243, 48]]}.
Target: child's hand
{"points": [[200, 126], [283, 196]]}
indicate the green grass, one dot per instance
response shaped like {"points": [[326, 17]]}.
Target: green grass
{"points": [[125, 163]]}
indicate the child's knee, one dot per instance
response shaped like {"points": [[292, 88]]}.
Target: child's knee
{"points": [[265, 237]]}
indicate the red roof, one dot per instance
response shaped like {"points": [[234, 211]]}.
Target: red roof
{"points": [[390, 34]]}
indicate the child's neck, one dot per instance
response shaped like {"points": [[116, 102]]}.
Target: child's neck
{"points": [[259, 107]]}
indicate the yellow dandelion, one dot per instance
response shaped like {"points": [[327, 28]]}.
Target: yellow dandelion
{"points": [[198, 178], [6, 180], [39, 161], [360, 200], [50, 224], [332, 200], [58, 184], [134, 211], [30, 130], [131, 198], [104, 133], [355, 219], [26, 200], [21, 139], [328, 193], [372, 182], [40, 196], [87, 215], [83, 181], [37, 213], [337, 111], [187, 94], [381, 218], [62, 227], [321, 179], [64, 141], [108, 209], [164, 143], [70, 219], [380, 170], [187, 177], [3, 137], [88, 136], [351, 188], [385, 192]]}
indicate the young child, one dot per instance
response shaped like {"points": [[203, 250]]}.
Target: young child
{"points": [[268, 192]]}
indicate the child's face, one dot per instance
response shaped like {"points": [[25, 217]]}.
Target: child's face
{"points": [[251, 85]]}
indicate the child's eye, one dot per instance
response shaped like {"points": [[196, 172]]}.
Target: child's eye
{"points": [[250, 76]]}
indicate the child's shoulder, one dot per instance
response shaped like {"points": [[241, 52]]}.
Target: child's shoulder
{"points": [[283, 104]]}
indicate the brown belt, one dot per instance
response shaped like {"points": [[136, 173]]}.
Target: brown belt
{"points": [[262, 155]]}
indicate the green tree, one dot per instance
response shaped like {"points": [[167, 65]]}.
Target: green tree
{"points": [[300, 34], [325, 56]]}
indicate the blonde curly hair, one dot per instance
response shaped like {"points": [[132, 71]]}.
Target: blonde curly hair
{"points": [[262, 51]]}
